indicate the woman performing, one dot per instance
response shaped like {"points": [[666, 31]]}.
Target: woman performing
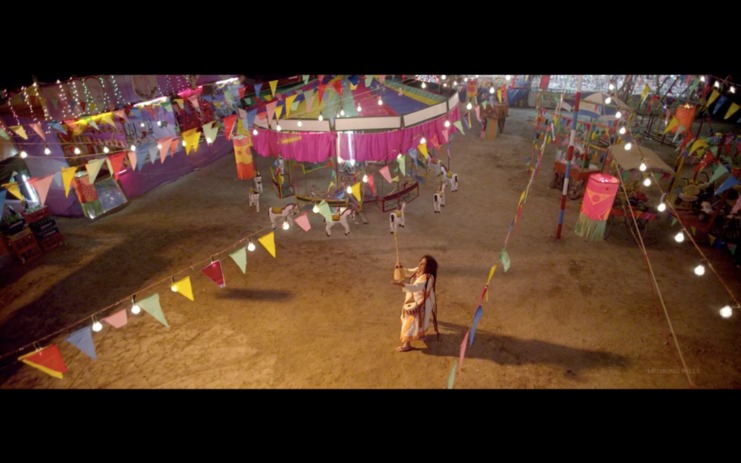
{"points": [[419, 302]]}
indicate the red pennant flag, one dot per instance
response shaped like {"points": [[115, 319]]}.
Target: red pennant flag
{"points": [[49, 360], [320, 93], [116, 161], [229, 122], [686, 140], [36, 126], [434, 141], [337, 84], [174, 144], [213, 271], [372, 184], [241, 92]]}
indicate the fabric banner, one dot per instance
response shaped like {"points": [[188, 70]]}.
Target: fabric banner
{"points": [[596, 206], [184, 287], [243, 157], [268, 242], [214, 273], [49, 360], [151, 305], [83, 340]]}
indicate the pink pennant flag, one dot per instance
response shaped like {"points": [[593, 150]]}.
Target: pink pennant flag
{"points": [[121, 113], [118, 319], [42, 187], [132, 159], [36, 126], [270, 108], [434, 141], [229, 122], [477, 110], [213, 271], [116, 163], [303, 222], [372, 184], [194, 101], [164, 144], [386, 174], [382, 78], [462, 354], [174, 146]]}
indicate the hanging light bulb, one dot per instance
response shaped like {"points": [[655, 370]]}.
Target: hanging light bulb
{"points": [[622, 130], [628, 147], [643, 165], [679, 237], [141, 124], [611, 87], [477, 76], [508, 77], [77, 150], [661, 207], [447, 124], [716, 84], [359, 107], [365, 178], [159, 146], [315, 209], [399, 156], [733, 89], [380, 101], [286, 226], [106, 150], [97, 326], [443, 77], [348, 190], [726, 311], [321, 118], [135, 309], [278, 127], [254, 132], [173, 286], [23, 154], [159, 123], [342, 112], [422, 140], [465, 79], [424, 85], [132, 147], [251, 246], [445, 84], [47, 151], [647, 181], [608, 100], [184, 143], [300, 124], [618, 115], [491, 90], [702, 78], [208, 140], [469, 106], [455, 82], [700, 270]]}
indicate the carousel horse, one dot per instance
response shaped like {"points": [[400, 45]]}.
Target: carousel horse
{"points": [[255, 199], [396, 218], [438, 199], [451, 177], [341, 218], [258, 182], [284, 212]]}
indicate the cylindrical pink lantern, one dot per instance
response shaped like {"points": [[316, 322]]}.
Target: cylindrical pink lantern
{"points": [[595, 209]]}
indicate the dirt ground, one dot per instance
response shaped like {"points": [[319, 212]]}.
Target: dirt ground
{"points": [[568, 314]]}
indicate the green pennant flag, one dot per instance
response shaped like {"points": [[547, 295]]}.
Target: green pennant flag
{"points": [[504, 257], [151, 304], [719, 171], [240, 258], [325, 211], [459, 126], [368, 80], [402, 164], [306, 78], [712, 239], [732, 247], [674, 220]]}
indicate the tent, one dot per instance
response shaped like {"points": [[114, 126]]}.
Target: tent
{"points": [[629, 160]]}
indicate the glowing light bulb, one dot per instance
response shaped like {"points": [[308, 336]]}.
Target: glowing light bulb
{"points": [[380, 102], [141, 124], [159, 146], [342, 112], [447, 124], [132, 147], [733, 89], [679, 237], [365, 178], [254, 132], [184, 144], [477, 76], [618, 115], [315, 209], [700, 270], [208, 140], [399, 156], [251, 246], [702, 78], [608, 100], [424, 85], [465, 79], [135, 309], [647, 181], [106, 150], [359, 107], [300, 124], [661, 207], [443, 77], [321, 118], [77, 150], [97, 326], [349, 190], [469, 106], [174, 288], [491, 90], [508, 77], [455, 82], [628, 146], [622, 131], [278, 127], [643, 165], [422, 140], [726, 311], [24, 155], [47, 151], [445, 84], [159, 123], [286, 226], [716, 84], [611, 86]]}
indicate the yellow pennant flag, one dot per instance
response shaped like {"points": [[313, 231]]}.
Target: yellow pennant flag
{"points": [[267, 98], [522, 198], [107, 118], [713, 96], [20, 131], [289, 103], [422, 148], [356, 191], [184, 287], [273, 86], [14, 189], [645, 92], [712, 239], [278, 112], [93, 167], [268, 242], [68, 173], [672, 123], [191, 137], [701, 143], [693, 230], [734, 107], [395, 179], [499, 94], [491, 273]]}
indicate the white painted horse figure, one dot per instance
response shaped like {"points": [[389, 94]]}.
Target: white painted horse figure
{"points": [[341, 218], [396, 218], [255, 199], [258, 182], [451, 177], [438, 199], [284, 212]]}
